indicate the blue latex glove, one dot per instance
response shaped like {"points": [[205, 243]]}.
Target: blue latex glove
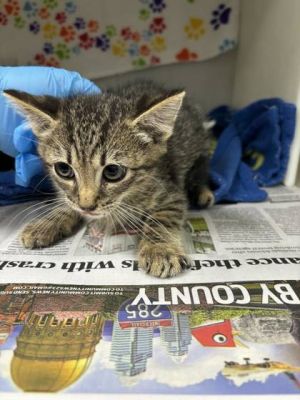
{"points": [[16, 140]]}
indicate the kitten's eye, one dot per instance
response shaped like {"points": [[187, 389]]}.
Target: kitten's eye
{"points": [[114, 172], [64, 170]]}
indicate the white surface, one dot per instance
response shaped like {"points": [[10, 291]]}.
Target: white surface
{"points": [[268, 59], [209, 82]]}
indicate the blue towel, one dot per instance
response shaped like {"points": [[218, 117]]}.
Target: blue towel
{"points": [[252, 149], [10, 193]]}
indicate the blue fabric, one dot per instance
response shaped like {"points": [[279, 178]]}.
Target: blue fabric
{"points": [[16, 139], [10, 193], [252, 149]]}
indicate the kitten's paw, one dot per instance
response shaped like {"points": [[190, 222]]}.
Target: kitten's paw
{"points": [[36, 236], [49, 230], [161, 260], [206, 198]]}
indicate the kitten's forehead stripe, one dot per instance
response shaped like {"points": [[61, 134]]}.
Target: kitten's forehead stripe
{"points": [[91, 138], [73, 155], [94, 149], [103, 159], [76, 149], [105, 127]]}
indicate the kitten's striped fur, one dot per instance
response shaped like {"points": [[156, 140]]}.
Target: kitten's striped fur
{"points": [[157, 134]]}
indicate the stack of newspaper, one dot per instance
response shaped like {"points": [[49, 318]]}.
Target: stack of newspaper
{"points": [[80, 320]]}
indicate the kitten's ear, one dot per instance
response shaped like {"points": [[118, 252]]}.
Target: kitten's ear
{"points": [[40, 111], [161, 117]]}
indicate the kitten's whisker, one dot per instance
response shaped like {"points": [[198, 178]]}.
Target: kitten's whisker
{"points": [[122, 221], [54, 203], [113, 225], [30, 159], [46, 214], [131, 220], [28, 208], [55, 215], [46, 203], [151, 240], [50, 194], [28, 198], [47, 221], [31, 195], [162, 234], [43, 210], [41, 223], [149, 217], [40, 182]]}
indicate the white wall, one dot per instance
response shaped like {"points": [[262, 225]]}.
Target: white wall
{"points": [[209, 82], [268, 58]]}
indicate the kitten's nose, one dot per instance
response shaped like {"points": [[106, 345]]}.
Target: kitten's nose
{"points": [[87, 200]]}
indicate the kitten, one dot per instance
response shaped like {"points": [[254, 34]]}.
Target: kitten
{"points": [[130, 155]]}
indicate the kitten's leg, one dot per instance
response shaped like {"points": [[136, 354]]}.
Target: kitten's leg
{"points": [[206, 197], [161, 252], [196, 184], [48, 230]]}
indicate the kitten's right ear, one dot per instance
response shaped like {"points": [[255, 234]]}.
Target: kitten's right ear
{"points": [[161, 117], [40, 111]]}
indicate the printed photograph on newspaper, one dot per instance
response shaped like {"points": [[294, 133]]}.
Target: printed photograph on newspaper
{"points": [[215, 338]]}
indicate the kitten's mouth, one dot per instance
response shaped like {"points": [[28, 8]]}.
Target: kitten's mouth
{"points": [[90, 213], [87, 213]]}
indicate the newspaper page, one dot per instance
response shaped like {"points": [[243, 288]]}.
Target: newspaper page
{"points": [[81, 321]]}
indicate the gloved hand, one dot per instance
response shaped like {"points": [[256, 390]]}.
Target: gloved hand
{"points": [[16, 139]]}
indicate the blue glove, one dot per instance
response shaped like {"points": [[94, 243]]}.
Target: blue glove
{"points": [[16, 140]]}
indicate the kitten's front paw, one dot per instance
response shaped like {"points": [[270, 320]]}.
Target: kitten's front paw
{"points": [[161, 260], [206, 198], [36, 236]]}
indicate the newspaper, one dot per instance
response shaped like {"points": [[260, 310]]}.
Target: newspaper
{"points": [[79, 318]]}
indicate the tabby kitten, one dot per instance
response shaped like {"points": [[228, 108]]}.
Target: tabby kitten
{"points": [[129, 156]]}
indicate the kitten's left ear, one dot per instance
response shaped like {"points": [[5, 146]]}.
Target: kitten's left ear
{"points": [[161, 117], [40, 111]]}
